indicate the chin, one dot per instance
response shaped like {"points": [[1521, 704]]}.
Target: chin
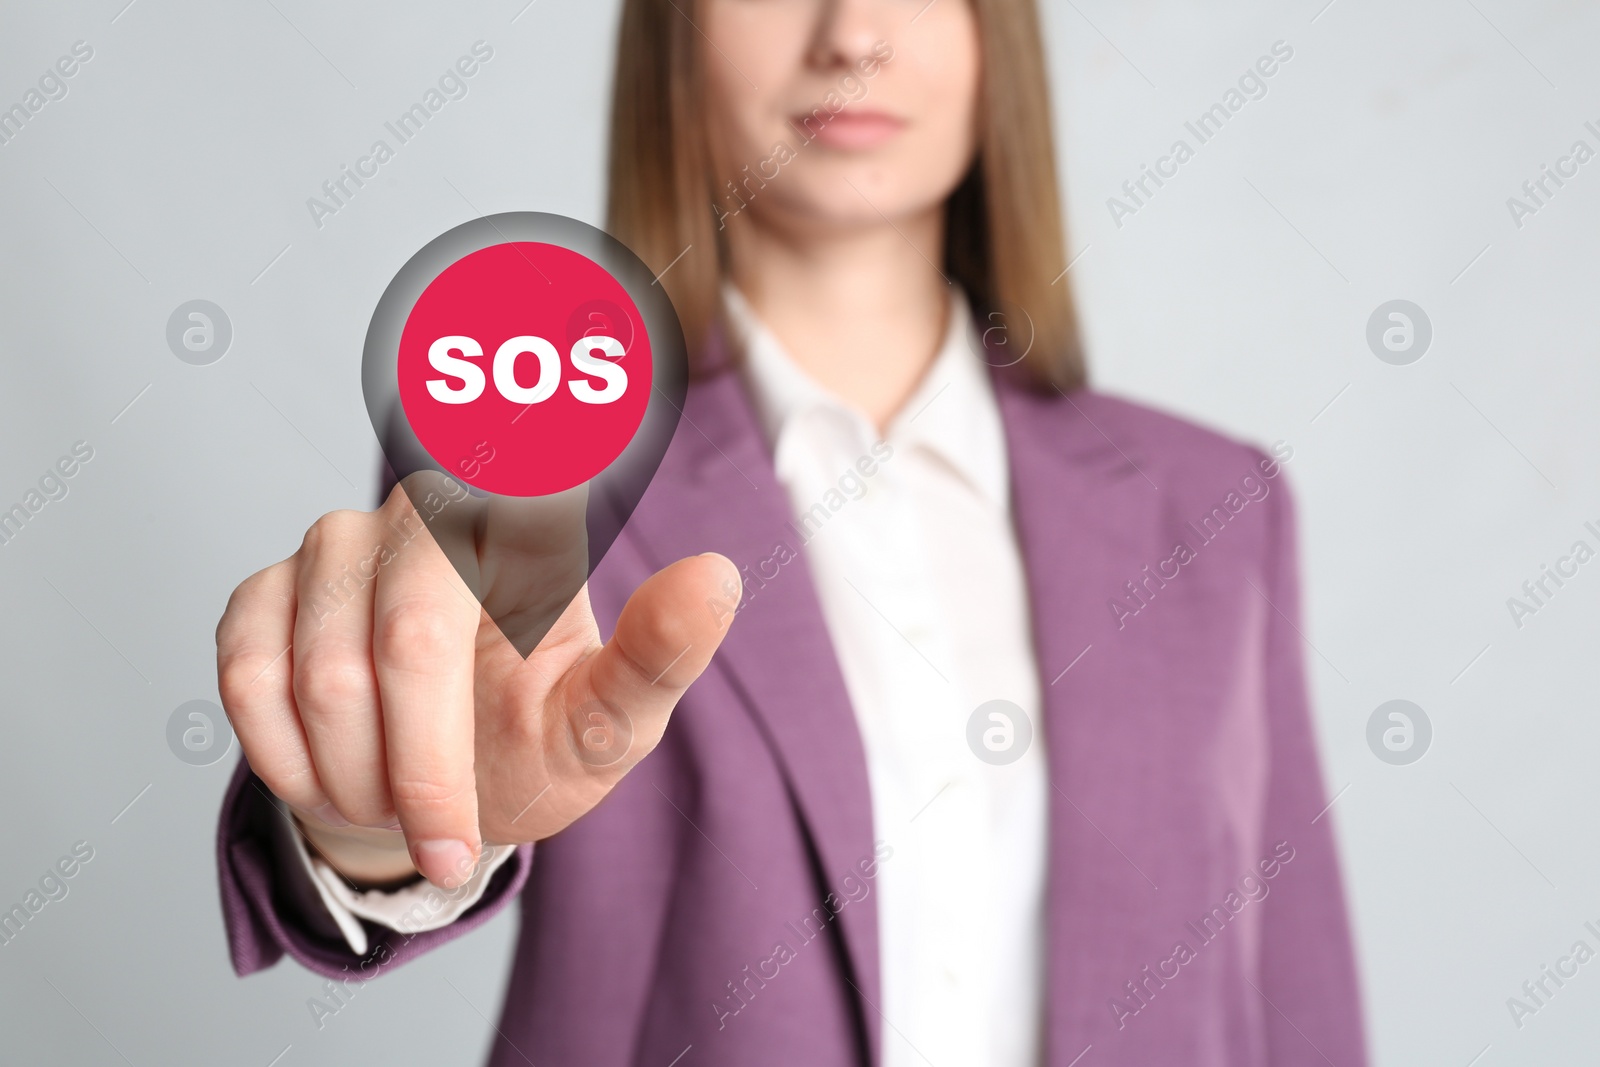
{"points": [[868, 190], [837, 190], [842, 208]]}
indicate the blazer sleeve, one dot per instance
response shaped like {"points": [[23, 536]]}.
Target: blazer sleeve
{"points": [[1308, 980], [266, 914]]}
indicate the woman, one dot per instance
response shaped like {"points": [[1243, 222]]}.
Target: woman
{"points": [[1005, 756]]}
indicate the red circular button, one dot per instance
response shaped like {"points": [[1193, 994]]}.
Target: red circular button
{"points": [[524, 369]]}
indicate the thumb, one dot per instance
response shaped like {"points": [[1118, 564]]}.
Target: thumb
{"points": [[619, 700]]}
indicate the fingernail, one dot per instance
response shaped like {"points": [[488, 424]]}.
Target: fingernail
{"points": [[446, 863], [391, 826], [329, 815], [737, 579]]}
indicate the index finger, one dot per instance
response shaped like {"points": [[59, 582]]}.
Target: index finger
{"points": [[424, 626]]}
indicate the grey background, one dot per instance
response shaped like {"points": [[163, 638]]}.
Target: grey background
{"points": [[1376, 168]]}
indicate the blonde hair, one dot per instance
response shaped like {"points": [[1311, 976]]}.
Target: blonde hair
{"points": [[1004, 235]]}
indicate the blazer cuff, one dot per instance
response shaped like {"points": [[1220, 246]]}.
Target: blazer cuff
{"points": [[272, 903], [322, 894]]}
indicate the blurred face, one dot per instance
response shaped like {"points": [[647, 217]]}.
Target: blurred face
{"points": [[837, 113]]}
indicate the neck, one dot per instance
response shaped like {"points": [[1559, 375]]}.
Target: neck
{"points": [[863, 310]]}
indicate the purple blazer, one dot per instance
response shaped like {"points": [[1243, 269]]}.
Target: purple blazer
{"points": [[718, 906]]}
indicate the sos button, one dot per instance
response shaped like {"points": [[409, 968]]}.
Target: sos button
{"points": [[530, 353]]}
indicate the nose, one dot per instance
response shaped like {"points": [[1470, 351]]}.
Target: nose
{"points": [[846, 32]]}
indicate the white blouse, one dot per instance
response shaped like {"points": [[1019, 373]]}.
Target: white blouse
{"points": [[923, 592]]}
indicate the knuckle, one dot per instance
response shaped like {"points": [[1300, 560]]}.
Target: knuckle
{"points": [[233, 684], [285, 776], [659, 640], [238, 673], [416, 630], [240, 601], [398, 502], [316, 538], [255, 595], [671, 631], [440, 790], [329, 530], [224, 630], [334, 679]]}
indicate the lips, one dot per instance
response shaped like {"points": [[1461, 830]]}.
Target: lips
{"points": [[849, 129]]}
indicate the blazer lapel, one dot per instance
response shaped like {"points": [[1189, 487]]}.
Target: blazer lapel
{"points": [[717, 491], [1085, 512], [1082, 506]]}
